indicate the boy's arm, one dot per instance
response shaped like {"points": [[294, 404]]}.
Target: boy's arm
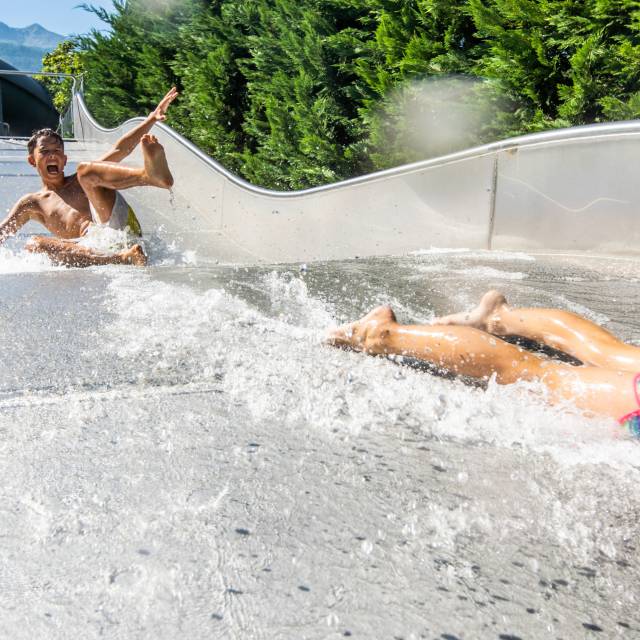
{"points": [[19, 215], [130, 140]]}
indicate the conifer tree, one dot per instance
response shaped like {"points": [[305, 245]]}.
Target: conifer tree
{"points": [[296, 93], [129, 66], [419, 60], [301, 125], [213, 102]]}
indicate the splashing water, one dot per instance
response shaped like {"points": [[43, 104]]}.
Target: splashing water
{"points": [[20, 261], [191, 458]]}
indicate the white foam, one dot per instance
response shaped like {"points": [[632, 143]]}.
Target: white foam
{"points": [[480, 272], [277, 368], [22, 261], [162, 252], [437, 251], [494, 255], [290, 298], [104, 239]]}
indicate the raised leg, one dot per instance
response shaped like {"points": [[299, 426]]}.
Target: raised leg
{"points": [[100, 180], [468, 351], [562, 330], [70, 254]]}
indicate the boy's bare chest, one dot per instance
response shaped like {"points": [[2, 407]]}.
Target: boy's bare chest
{"points": [[65, 210]]}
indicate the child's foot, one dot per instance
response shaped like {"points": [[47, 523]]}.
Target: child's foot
{"points": [[364, 334], [135, 255], [485, 316], [155, 162]]}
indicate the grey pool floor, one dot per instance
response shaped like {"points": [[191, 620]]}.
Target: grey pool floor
{"points": [[181, 457]]}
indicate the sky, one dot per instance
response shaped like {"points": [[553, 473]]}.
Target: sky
{"points": [[60, 16]]}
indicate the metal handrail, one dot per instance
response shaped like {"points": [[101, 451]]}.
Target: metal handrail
{"points": [[15, 72], [48, 74], [583, 132]]}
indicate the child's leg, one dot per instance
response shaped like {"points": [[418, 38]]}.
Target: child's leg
{"points": [[468, 351], [70, 254], [559, 329], [100, 180], [460, 350]]}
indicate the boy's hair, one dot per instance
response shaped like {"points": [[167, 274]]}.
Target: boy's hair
{"points": [[43, 133]]}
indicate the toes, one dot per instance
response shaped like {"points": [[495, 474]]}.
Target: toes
{"points": [[492, 299], [137, 255], [150, 140], [382, 314]]}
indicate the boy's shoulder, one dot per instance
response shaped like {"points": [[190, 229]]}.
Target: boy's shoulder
{"points": [[31, 203], [30, 199]]}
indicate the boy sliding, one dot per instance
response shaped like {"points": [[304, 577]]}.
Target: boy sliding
{"points": [[68, 205]]}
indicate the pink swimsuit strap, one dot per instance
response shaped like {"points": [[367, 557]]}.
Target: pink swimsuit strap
{"points": [[636, 391]]}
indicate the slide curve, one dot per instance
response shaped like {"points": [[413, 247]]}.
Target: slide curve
{"points": [[567, 190]]}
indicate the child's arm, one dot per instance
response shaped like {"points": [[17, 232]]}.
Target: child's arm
{"points": [[130, 140], [19, 215]]}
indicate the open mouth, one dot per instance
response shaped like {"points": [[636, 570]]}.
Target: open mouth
{"points": [[52, 169]]}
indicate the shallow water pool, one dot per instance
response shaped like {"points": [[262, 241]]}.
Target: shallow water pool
{"points": [[181, 457]]}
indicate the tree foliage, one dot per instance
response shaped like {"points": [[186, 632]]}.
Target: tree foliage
{"points": [[296, 93], [64, 59]]}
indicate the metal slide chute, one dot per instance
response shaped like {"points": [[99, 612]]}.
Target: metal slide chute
{"points": [[565, 190]]}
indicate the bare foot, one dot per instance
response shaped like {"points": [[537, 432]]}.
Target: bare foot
{"points": [[155, 162], [135, 256], [485, 316], [363, 334]]}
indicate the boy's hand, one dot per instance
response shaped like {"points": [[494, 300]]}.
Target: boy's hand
{"points": [[130, 140], [160, 112]]}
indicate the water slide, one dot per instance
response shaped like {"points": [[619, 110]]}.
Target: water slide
{"points": [[571, 190], [182, 457]]}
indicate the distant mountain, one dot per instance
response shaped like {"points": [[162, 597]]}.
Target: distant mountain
{"points": [[24, 48], [32, 36]]}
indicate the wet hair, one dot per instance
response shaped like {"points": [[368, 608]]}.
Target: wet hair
{"points": [[43, 133]]}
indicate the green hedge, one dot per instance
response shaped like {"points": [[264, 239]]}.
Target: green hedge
{"points": [[297, 93]]}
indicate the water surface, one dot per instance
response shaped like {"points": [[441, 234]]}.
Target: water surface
{"points": [[182, 457]]}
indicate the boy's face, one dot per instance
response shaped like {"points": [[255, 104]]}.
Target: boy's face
{"points": [[49, 159]]}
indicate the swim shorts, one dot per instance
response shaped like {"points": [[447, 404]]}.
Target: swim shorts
{"points": [[122, 216], [632, 420]]}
